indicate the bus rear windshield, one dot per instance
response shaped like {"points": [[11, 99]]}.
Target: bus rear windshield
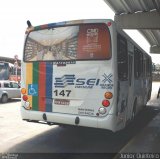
{"points": [[76, 42]]}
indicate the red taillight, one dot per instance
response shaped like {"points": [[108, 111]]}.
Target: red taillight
{"points": [[105, 103], [25, 97]]}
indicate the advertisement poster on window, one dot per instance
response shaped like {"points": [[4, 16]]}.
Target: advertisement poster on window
{"points": [[93, 42]]}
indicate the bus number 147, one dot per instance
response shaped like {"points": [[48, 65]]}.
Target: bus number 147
{"points": [[62, 93]]}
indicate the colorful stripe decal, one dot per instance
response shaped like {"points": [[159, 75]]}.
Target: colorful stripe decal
{"points": [[49, 76], [42, 86], [29, 68], [35, 82], [39, 85]]}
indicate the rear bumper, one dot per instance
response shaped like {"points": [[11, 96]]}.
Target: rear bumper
{"points": [[108, 122]]}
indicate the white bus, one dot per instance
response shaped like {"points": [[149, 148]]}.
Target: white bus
{"points": [[84, 73]]}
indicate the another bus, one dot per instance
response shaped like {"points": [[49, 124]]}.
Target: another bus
{"points": [[9, 72], [84, 73], [4, 70], [15, 74]]}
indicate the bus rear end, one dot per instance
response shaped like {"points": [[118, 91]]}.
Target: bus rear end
{"points": [[67, 74]]}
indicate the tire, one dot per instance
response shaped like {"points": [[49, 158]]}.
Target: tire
{"points": [[4, 98]]}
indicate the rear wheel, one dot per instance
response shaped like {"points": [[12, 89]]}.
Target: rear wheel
{"points": [[4, 98]]}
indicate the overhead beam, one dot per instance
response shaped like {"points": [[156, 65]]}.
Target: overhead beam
{"points": [[155, 49], [8, 59], [140, 20]]}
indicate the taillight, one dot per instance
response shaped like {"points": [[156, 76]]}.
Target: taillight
{"points": [[108, 95], [23, 91], [105, 103], [25, 97]]}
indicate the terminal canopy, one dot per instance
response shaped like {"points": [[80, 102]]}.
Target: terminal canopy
{"points": [[143, 15]]}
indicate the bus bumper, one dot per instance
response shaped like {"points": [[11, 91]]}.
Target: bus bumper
{"points": [[108, 122]]}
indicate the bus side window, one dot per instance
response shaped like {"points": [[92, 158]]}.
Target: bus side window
{"points": [[138, 63], [122, 58]]}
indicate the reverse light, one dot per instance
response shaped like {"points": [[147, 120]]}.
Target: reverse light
{"points": [[27, 105], [102, 110], [25, 97], [108, 95], [23, 91], [105, 103]]}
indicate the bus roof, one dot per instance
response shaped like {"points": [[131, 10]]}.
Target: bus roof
{"points": [[63, 23]]}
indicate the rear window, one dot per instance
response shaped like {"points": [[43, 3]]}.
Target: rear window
{"points": [[76, 42]]}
